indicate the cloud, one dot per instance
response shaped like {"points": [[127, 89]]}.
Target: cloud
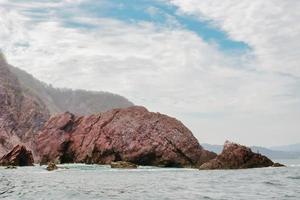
{"points": [[270, 27], [168, 69]]}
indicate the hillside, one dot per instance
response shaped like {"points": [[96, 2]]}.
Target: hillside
{"points": [[22, 113], [79, 102]]}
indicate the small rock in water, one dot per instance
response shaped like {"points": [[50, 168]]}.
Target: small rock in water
{"points": [[278, 165], [11, 167], [51, 166], [235, 156], [123, 165]]}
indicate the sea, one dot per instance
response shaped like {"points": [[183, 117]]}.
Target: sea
{"points": [[100, 182]]}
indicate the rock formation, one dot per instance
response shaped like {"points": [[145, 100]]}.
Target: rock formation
{"points": [[278, 165], [51, 166], [132, 134], [235, 156], [19, 156], [21, 113], [26, 104]]}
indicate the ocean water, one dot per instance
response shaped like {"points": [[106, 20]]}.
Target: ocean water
{"points": [[81, 182]]}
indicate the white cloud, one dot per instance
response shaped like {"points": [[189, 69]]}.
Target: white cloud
{"points": [[40, 3], [170, 70], [270, 27]]}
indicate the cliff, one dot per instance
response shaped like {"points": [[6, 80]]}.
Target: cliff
{"points": [[22, 114], [27, 103]]}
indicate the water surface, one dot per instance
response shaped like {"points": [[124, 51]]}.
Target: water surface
{"points": [[101, 182]]}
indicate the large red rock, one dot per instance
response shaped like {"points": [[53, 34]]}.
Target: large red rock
{"points": [[19, 156], [235, 156], [132, 134], [21, 113]]}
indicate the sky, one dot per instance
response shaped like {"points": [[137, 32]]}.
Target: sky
{"points": [[229, 70]]}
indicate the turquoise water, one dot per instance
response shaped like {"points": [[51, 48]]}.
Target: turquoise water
{"points": [[102, 182]]}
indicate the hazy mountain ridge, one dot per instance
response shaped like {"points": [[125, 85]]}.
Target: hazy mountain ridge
{"points": [[76, 101], [291, 147], [273, 154]]}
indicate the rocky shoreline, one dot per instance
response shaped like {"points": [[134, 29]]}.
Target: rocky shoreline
{"points": [[233, 156], [130, 135]]}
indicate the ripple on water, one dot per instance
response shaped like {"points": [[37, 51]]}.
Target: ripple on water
{"points": [[272, 183], [101, 182], [6, 187], [294, 177]]}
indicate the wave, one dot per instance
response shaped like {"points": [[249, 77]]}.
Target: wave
{"points": [[272, 183], [6, 186], [294, 177]]}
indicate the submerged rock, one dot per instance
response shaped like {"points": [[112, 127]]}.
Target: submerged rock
{"points": [[235, 156], [11, 167], [51, 166], [132, 134], [19, 156], [122, 164]]}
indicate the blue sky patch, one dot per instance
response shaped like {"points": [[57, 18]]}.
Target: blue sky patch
{"points": [[135, 11], [161, 13]]}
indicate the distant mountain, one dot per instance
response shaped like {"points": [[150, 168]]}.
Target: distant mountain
{"points": [[273, 154], [292, 147], [79, 102], [213, 147]]}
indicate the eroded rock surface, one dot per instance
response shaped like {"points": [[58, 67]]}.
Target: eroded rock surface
{"points": [[19, 156], [235, 156], [132, 134]]}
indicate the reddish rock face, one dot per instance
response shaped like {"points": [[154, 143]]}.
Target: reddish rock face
{"points": [[21, 114], [19, 156], [235, 156], [132, 134]]}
